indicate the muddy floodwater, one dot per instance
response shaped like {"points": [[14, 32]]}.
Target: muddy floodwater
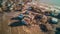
{"points": [[54, 2]]}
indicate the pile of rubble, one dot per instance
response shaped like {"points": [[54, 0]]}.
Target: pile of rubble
{"points": [[33, 14]]}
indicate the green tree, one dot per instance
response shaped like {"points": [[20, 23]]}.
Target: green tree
{"points": [[1, 3]]}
